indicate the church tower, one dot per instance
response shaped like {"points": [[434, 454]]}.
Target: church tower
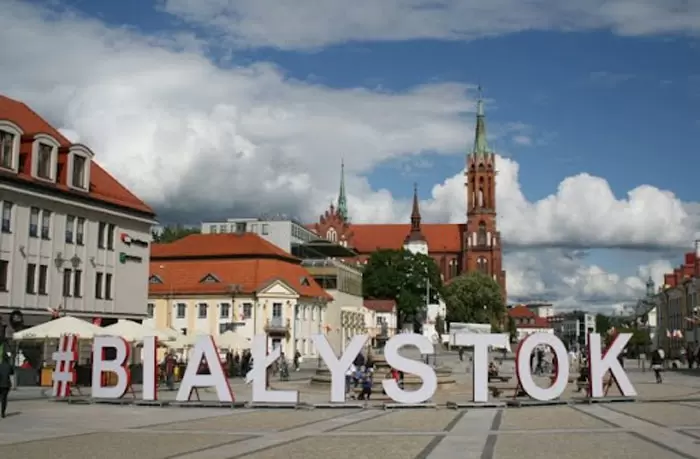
{"points": [[482, 238], [415, 241], [342, 199]]}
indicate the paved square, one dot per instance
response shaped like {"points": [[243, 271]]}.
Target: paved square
{"points": [[549, 418], [269, 420], [661, 413], [348, 447], [579, 446], [117, 445], [425, 420]]}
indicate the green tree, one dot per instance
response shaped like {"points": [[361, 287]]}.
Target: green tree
{"points": [[172, 233], [512, 330], [412, 280], [474, 298], [602, 323]]}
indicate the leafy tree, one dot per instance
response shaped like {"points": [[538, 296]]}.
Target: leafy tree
{"points": [[512, 330], [474, 298], [172, 233], [602, 323], [401, 276]]}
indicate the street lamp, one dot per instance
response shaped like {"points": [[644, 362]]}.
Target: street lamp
{"points": [[60, 264], [233, 290], [318, 302]]}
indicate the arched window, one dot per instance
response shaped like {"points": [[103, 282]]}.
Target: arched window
{"points": [[481, 198], [481, 235], [332, 235], [482, 265]]}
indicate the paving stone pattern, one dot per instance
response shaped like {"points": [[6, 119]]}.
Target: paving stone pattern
{"points": [[662, 429]]}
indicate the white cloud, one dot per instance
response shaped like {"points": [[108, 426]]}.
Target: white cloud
{"points": [[310, 23], [199, 140]]}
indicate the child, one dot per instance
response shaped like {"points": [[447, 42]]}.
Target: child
{"points": [[366, 386]]}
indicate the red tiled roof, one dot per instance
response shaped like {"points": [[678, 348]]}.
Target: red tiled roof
{"points": [[103, 187], [440, 236], [219, 245], [521, 312], [183, 277], [387, 306]]}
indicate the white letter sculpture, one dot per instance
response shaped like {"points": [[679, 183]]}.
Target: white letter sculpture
{"points": [[116, 366], [524, 370], [481, 343], [150, 368], [397, 361], [338, 367], [205, 350], [258, 375], [600, 364]]}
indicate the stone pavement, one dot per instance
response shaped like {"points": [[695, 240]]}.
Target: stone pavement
{"points": [[42, 429]]}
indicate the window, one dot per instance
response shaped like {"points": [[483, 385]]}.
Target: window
{"points": [[332, 235], [78, 172], [482, 265], [34, 222], [108, 286], [247, 310], [43, 279], [481, 235], [110, 236], [6, 216], [209, 279], [67, 273], [45, 224], [240, 227], [80, 231], [265, 229], [99, 277], [31, 278], [202, 310], [77, 283], [7, 144], [70, 228], [44, 163], [222, 229], [101, 229], [276, 309], [181, 310], [150, 310], [223, 328], [155, 280], [214, 229], [224, 311], [4, 272]]}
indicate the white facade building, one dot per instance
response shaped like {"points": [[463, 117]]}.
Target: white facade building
{"points": [[285, 234], [73, 240]]}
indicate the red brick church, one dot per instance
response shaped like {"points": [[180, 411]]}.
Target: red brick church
{"points": [[456, 248]]}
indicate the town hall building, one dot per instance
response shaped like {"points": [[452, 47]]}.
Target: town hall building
{"points": [[456, 248]]}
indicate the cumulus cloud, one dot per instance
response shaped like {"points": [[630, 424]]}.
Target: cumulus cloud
{"points": [[310, 24], [198, 140]]}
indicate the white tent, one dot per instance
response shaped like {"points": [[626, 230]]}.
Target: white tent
{"points": [[232, 340], [54, 329], [184, 341], [134, 332]]}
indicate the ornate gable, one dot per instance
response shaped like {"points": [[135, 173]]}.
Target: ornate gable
{"points": [[333, 227]]}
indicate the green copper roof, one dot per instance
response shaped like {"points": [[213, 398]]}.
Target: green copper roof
{"points": [[481, 147], [342, 199]]}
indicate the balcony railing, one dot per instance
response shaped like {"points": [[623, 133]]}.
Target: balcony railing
{"points": [[277, 325]]}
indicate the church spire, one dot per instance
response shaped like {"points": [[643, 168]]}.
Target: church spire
{"points": [[342, 199], [416, 234], [481, 148]]}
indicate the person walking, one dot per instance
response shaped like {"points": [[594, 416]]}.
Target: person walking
{"points": [[6, 372], [657, 364]]}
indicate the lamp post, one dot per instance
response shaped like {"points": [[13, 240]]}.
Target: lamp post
{"points": [[233, 290], [60, 264], [318, 302]]}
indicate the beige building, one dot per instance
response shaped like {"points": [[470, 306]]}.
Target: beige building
{"points": [[73, 240], [210, 283], [677, 308]]}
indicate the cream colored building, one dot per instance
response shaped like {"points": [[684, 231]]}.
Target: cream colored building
{"points": [[210, 283]]}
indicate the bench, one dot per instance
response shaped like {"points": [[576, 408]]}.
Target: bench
{"points": [[500, 378]]}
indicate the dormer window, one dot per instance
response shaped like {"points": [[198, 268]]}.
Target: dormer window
{"points": [[10, 135], [45, 157], [79, 158]]}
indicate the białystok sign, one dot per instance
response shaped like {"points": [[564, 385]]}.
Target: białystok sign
{"points": [[601, 362]]}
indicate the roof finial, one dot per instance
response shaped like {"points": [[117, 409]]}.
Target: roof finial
{"points": [[481, 147]]}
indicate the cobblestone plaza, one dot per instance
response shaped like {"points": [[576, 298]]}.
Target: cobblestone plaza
{"points": [[657, 426]]}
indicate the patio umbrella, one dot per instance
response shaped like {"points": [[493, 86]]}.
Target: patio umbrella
{"points": [[54, 329]]}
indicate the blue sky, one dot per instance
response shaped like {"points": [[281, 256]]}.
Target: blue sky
{"points": [[618, 98]]}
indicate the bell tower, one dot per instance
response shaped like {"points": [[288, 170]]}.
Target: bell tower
{"points": [[482, 238]]}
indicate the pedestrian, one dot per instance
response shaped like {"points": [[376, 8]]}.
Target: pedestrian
{"points": [[366, 386], [657, 364], [6, 372]]}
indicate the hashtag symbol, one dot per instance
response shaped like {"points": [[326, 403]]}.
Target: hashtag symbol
{"points": [[65, 358]]}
